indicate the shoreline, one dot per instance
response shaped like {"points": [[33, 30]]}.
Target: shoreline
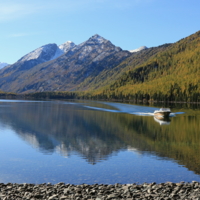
{"points": [[144, 101], [64, 191]]}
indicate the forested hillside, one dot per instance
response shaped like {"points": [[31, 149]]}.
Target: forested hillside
{"points": [[171, 75], [108, 76]]}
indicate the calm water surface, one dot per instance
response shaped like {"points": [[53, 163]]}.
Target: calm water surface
{"points": [[96, 142]]}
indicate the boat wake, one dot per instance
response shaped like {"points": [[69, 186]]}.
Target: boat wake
{"points": [[102, 109], [125, 108], [142, 114], [129, 109]]}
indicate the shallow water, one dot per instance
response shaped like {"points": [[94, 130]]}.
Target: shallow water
{"points": [[96, 142]]}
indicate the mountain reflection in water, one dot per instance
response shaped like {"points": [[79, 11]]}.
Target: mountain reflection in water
{"points": [[86, 129], [66, 128]]}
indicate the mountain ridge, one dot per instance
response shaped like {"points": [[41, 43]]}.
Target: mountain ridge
{"points": [[100, 70], [66, 71]]}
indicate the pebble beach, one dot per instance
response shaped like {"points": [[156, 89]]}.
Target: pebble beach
{"points": [[62, 191]]}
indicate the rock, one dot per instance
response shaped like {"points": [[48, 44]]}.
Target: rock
{"points": [[54, 197], [38, 196], [66, 191], [111, 196], [63, 197]]}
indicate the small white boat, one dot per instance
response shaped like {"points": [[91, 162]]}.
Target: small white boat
{"points": [[163, 112]]}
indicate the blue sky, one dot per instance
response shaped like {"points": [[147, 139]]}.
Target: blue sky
{"points": [[26, 25]]}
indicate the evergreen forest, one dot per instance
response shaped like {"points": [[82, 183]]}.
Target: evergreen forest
{"points": [[169, 75]]}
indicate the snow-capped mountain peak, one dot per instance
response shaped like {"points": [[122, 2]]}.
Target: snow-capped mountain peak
{"points": [[94, 40], [139, 49], [2, 65], [66, 46], [97, 39], [44, 53], [48, 52], [63, 48]]}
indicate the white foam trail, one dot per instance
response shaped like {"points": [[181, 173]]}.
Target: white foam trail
{"points": [[124, 108], [142, 114], [130, 109], [133, 109], [102, 109], [69, 103]]}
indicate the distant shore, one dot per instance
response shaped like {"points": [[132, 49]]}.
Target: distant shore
{"points": [[150, 102], [62, 191]]}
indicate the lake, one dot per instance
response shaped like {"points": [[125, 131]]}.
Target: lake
{"points": [[96, 142]]}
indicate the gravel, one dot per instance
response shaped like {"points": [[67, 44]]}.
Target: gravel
{"points": [[62, 191]]}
